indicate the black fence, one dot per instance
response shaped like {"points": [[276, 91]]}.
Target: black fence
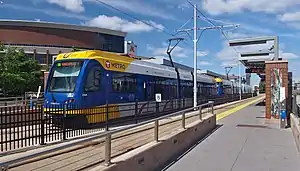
{"points": [[295, 106], [24, 126]]}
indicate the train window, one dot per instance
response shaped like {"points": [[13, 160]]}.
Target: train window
{"points": [[64, 76], [123, 82], [93, 81], [167, 87]]}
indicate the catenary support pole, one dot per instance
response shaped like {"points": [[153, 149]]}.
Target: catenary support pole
{"points": [[195, 55]]}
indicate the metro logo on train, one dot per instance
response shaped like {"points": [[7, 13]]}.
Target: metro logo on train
{"points": [[109, 64]]}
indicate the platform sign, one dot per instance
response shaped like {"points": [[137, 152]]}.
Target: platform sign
{"points": [[282, 94], [158, 97]]}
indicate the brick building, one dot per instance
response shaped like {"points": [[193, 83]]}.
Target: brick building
{"points": [[43, 40]]}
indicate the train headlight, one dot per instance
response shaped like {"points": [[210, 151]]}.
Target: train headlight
{"points": [[46, 101]]}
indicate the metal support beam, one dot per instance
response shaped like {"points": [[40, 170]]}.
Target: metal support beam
{"points": [[276, 48], [251, 41]]}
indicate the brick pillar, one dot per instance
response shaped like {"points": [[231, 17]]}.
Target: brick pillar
{"points": [[282, 66]]}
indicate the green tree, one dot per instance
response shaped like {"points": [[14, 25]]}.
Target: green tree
{"points": [[18, 72], [262, 87], [75, 49]]}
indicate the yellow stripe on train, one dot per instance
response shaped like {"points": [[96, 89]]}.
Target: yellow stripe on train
{"points": [[93, 115], [109, 60]]}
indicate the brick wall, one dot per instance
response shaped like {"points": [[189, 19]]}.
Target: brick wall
{"points": [[61, 37], [283, 70]]}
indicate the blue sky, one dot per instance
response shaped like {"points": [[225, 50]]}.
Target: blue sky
{"points": [[255, 18]]}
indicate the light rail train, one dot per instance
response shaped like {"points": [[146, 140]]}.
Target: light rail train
{"points": [[91, 79]]}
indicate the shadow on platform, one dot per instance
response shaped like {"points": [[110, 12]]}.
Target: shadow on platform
{"points": [[261, 103], [175, 159]]}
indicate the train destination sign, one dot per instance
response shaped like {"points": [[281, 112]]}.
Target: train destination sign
{"points": [[68, 64]]}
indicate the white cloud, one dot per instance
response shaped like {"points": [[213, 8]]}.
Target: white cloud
{"points": [[255, 29], [288, 55], [184, 6], [204, 63], [70, 5], [217, 7], [178, 52], [288, 17], [202, 53], [294, 25], [138, 7], [117, 23], [231, 63], [237, 35], [291, 19]]}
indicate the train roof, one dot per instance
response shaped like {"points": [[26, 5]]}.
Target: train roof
{"points": [[118, 62]]}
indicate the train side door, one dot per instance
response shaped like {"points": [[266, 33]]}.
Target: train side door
{"points": [[149, 90]]}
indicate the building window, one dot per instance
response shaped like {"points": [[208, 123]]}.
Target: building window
{"points": [[50, 59], [41, 58]]}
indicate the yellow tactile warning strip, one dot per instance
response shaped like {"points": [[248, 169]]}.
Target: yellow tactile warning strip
{"points": [[233, 110]]}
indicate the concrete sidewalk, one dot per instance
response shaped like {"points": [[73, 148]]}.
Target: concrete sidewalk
{"points": [[244, 142]]}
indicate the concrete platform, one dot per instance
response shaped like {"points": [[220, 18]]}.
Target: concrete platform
{"points": [[245, 142]]}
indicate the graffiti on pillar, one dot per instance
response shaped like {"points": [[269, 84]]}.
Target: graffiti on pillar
{"points": [[276, 82]]}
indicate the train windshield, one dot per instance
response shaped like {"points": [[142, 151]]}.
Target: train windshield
{"points": [[65, 76]]}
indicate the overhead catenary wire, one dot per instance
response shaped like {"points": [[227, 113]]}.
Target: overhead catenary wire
{"points": [[212, 24], [137, 19], [222, 32]]}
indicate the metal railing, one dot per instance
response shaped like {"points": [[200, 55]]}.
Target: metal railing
{"points": [[108, 134], [296, 105], [20, 101], [11, 101], [24, 126]]}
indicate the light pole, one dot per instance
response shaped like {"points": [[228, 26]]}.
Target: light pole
{"points": [[195, 55], [240, 80]]}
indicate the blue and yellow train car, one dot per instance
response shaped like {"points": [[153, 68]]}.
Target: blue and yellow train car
{"points": [[90, 80]]}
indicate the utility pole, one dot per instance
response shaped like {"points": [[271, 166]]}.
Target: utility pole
{"points": [[240, 80], [195, 40], [195, 55]]}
